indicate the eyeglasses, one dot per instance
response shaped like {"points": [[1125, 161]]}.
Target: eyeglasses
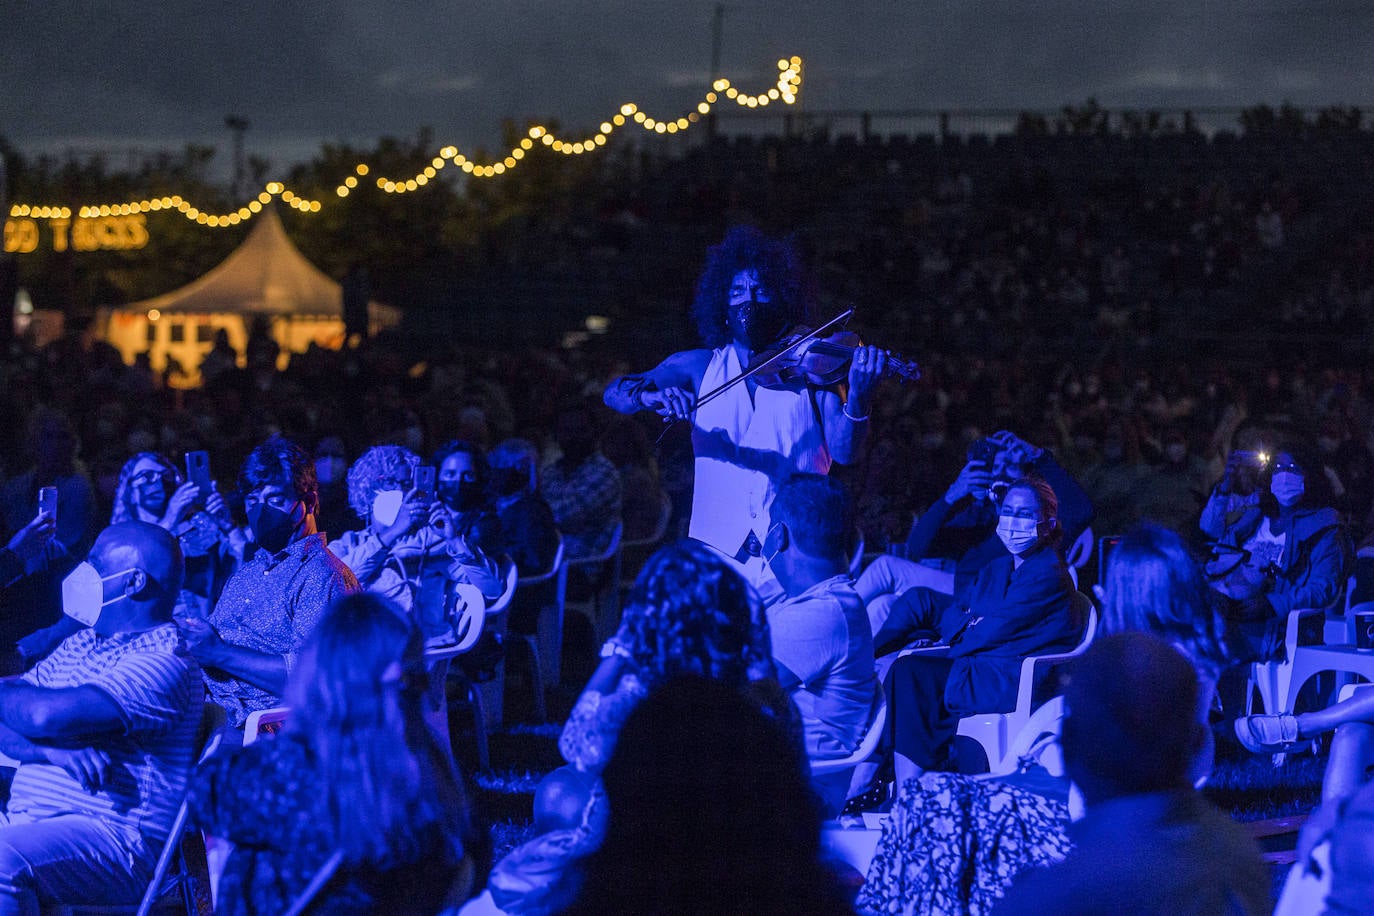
{"points": [[1289, 468], [149, 476]]}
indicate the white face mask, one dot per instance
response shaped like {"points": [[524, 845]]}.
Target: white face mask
{"points": [[386, 505], [1287, 487], [1017, 534], [83, 593]]}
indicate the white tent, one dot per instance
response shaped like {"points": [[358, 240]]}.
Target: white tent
{"points": [[265, 276]]}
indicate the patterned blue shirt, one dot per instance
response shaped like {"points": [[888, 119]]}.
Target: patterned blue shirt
{"points": [[271, 605]]}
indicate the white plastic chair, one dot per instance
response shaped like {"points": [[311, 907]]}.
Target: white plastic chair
{"points": [[635, 551], [602, 609], [546, 643], [253, 727], [867, 746], [486, 697], [1081, 551], [1279, 681], [994, 731]]}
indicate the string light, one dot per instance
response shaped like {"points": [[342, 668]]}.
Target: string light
{"points": [[785, 90]]}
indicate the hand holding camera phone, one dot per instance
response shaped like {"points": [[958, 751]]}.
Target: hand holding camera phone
{"points": [[47, 502], [198, 471], [423, 482]]}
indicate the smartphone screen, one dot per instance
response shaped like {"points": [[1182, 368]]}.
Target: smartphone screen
{"points": [[47, 502], [424, 481], [198, 469]]}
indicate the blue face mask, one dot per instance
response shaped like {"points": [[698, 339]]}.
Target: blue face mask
{"points": [[1287, 487]]}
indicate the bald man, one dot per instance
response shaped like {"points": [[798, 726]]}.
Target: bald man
{"points": [[104, 729]]}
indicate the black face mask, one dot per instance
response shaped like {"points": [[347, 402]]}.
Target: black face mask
{"points": [[273, 528], [759, 324], [461, 495]]}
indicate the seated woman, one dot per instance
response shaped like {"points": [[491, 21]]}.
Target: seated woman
{"points": [[688, 613], [410, 548], [1019, 605], [464, 490], [354, 772], [924, 865], [1287, 552], [151, 489], [1153, 585]]}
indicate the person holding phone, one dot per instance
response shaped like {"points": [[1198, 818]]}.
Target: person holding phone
{"points": [[957, 536], [152, 490], [408, 551]]}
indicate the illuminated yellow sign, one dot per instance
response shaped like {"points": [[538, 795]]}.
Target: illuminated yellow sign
{"points": [[100, 233]]}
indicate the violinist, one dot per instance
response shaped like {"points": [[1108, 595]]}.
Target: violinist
{"points": [[750, 438]]}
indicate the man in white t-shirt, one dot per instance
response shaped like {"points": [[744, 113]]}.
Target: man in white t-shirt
{"points": [[104, 730], [822, 642]]}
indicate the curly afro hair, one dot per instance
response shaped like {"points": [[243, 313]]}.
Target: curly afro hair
{"points": [[691, 613], [779, 269]]}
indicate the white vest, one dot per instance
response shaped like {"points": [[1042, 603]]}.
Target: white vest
{"points": [[744, 449]]}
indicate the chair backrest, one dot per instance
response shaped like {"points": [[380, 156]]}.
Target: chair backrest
{"points": [[258, 722], [665, 514], [507, 593], [868, 745], [470, 607], [1032, 666], [611, 549], [554, 570], [1039, 737], [173, 842], [1081, 549], [856, 557]]}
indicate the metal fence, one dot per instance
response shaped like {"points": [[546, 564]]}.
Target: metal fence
{"points": [[989, 122]]}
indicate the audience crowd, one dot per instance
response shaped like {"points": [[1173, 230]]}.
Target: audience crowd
{"points": [[355, 497]]}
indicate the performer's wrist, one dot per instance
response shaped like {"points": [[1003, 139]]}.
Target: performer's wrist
{"points": [[852, 417]]}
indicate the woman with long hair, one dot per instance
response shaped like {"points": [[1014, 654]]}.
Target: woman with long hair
{"points": [[1154, 585], [355, 772], [689, 613]]}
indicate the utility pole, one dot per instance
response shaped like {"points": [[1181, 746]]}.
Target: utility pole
{"points": [[238, 125], [717, 33], [9, 267]]}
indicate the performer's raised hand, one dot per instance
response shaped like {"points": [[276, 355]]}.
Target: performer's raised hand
{"points": [[670, 403]]}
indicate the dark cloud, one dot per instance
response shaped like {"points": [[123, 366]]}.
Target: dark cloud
{"points": [[159, 73]]}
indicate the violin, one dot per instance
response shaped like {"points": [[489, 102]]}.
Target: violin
{"points": [[817, 357], [820, 361]]}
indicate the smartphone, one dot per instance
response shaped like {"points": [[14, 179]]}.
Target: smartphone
{"points": [[47, 502], [198, 469], [424, 481]]}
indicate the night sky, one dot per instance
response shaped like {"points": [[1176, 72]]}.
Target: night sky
{"points": [[156, 74]]}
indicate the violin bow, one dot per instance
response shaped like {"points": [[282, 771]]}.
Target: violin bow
{"points": [[753, 370]]}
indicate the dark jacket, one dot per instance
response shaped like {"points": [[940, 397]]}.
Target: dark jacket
{"points": [[1010, 615], [966, 532], [1314, 560]]}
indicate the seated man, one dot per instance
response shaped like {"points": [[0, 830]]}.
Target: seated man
{"points": [[1148, 843], [104, 732], [822, 646], [269, 607]]}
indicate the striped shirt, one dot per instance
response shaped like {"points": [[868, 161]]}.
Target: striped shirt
{"points": [[156, 685]]}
